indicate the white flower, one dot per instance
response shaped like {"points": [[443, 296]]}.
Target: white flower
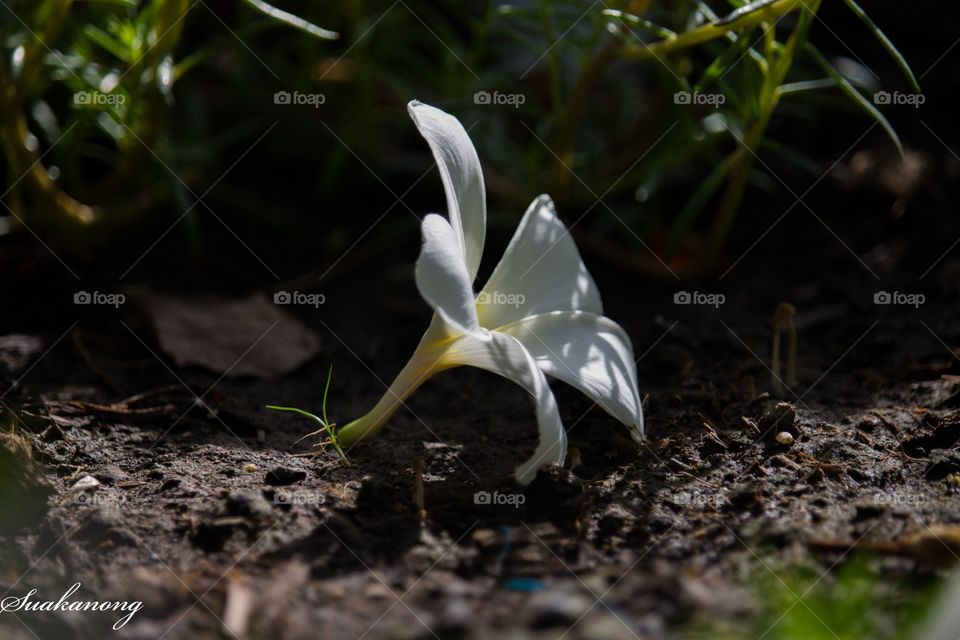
{"points": [[539, 313]]}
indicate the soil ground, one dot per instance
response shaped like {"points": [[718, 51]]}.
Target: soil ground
{"points": [[202, 504]]}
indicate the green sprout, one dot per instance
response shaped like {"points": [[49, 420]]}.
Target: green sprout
{"points": [[326, 427]]}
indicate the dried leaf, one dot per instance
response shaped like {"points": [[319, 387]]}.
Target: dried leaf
{"points": [[234, 337]]}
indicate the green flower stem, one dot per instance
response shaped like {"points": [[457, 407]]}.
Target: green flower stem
{"points": [[427, 361]]}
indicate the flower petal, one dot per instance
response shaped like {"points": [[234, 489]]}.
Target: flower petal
{"points": [[505, 356], [540, 271], [590, 352], [442, 276], [462, 178]]}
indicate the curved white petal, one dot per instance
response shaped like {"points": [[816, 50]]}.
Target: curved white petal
{"points": [[462, 178], [506, 356], [590, 352], [540, 271], [442, 276]]}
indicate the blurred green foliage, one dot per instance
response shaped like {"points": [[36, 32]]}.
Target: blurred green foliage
{"points": [[120, 111], [803, 602]]}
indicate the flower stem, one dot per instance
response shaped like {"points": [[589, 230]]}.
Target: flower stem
{"points": [[426, 361]]}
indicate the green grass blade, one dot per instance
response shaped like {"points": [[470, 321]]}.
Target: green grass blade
{"points": [[107, 42], [803, 86], [858, 98], [744, 10], [292, 20], [632, 20], [885, 42], [326, 392], [719, 67], [755, 55], [307, 414], [325, 426]]}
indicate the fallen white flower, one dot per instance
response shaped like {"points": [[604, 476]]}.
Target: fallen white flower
{"points": [[540, 311]]}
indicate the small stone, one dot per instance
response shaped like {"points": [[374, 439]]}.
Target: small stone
{"points": [[86, 483], [557, 608], [603, 624], [283, 476], [867, 511], [249, 504], [457, 615], [744, 495], [105, 526], [615, 519], [781, 417], [110, 474], [785, 438], [661, 523], [953, 481], [210, 536]]}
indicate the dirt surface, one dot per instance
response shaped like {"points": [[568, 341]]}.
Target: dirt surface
{"points": [[206, 511]]}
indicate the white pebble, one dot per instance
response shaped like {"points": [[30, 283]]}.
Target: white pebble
{"points": [[785, 437]]}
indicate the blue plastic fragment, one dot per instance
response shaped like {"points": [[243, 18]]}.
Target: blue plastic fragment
{"points": [[522, 584]]}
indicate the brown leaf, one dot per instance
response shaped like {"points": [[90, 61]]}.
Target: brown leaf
{"points": [[231, 336]]}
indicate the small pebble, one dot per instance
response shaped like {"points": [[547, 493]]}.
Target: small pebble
{"points": [[785, 438], [248, 504], [282, 476], [86, 483], [110, 474]]}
